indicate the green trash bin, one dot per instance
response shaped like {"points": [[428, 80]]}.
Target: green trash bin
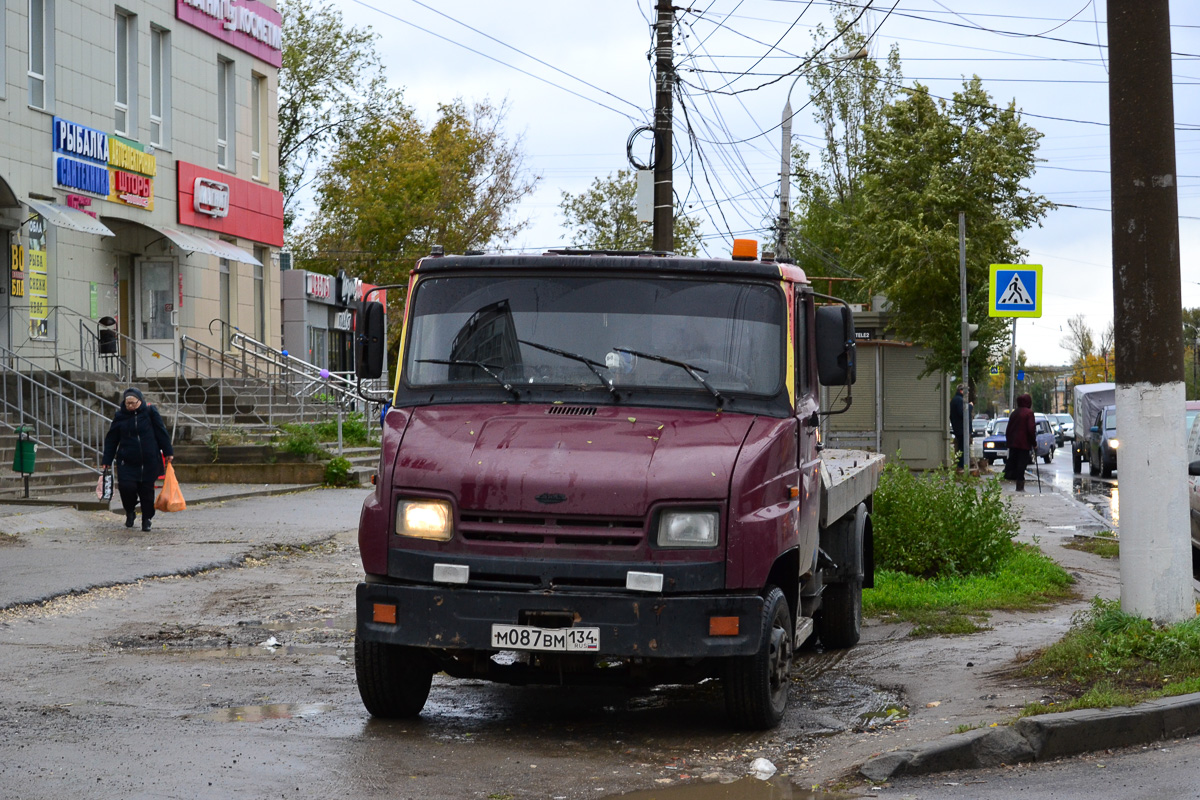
{"points": [[25, 457]]}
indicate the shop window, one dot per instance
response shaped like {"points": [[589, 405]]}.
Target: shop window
{"points": [[225, 114], [125, 113], [317, 347], [160, 87]]}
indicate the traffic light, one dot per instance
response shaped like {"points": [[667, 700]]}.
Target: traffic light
{"points": [[969, 344]]}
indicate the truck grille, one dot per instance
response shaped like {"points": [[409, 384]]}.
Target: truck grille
{"points": [[552, 531]]}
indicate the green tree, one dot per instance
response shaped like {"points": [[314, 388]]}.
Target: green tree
{"points": [[846, 96], [330, 78], [1191, 343], [393, 188], [605, 218], [927, 161]]}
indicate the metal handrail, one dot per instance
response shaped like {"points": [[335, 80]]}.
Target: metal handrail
{"points": [[60, 413]]}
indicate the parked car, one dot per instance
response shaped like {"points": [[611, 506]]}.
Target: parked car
{"points": [[1047, 439], [995, 446], [1066, 425], [1103, 443], [1194, 477]]}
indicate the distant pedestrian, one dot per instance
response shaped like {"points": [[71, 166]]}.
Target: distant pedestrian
{"points": [[138, 440], [1021, 437], [961, 448]]}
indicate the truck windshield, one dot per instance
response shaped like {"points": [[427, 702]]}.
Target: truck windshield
{"points": [[731, 332]]}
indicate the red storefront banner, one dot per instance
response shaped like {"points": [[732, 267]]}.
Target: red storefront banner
{"points": [[252, 211]]}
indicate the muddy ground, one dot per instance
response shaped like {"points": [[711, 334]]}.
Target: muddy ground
{"points": [[238, 681]]}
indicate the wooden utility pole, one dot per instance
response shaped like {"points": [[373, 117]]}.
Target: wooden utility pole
{"points": [[1148, 315], [664, 80]]}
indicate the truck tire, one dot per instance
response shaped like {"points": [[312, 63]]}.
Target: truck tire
{"points": [[839, 619], [1093, 467], [756, 687], [1105, 470], [393, 681], [1076, 460]]}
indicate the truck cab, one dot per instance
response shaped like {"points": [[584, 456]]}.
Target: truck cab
{"points": [[605, 467]]}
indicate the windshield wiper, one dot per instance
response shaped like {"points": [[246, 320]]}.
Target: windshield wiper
{"points": [[478, 365], [576, 357], [691, 370]]}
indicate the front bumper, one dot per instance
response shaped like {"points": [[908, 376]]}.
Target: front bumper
{"points": [[631, 625]]}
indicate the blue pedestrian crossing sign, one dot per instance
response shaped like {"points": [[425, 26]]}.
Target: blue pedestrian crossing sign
{"points": [[1015, 290], [995, 371]]}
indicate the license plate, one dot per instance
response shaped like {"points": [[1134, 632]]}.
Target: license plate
{"points": [[528, 637]]}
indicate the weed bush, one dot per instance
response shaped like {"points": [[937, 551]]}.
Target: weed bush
{"points": [[337, 472], [354, 429], [941, 524], [300, 440]]}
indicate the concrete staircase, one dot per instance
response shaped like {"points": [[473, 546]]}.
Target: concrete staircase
{"points": [[223, 432]]}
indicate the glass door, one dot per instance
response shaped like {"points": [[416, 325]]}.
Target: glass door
{"points": [[156, 319]]}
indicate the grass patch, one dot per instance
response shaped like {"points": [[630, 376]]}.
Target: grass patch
{"points": [[1111, 658], [1105, 548], [1026, 580]]}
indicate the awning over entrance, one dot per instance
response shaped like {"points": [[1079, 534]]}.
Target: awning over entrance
{"points": [[67, 217], [192, 243]]}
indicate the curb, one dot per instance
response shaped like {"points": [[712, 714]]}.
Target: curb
{"points": [[1044, 737]]}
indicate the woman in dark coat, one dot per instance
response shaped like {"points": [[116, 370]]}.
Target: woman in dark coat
{"points": [[138, 440], [1021, 437]]}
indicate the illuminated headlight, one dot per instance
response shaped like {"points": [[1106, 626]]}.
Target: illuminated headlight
{"points": [[990, 445], [1114, 443], [688, 529], [425, 519]]}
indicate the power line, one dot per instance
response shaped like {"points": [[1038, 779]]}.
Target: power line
{"points": [[527, 55], [493, 58]]}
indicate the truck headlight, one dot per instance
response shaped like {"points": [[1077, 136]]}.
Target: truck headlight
{"points": [[425, 519], [1114, 443], [990, 445], [688, 528]]}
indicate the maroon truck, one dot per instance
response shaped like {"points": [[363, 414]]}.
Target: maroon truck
{"points": [[604, 467]]}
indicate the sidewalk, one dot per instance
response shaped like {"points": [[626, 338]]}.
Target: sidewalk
{"points": [[962, 682], [195, 494]]}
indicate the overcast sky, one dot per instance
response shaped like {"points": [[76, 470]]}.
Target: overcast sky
{"points": [[577, 81]]}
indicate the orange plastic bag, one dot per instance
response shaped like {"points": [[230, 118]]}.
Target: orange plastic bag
{"points": [[170, 498]]}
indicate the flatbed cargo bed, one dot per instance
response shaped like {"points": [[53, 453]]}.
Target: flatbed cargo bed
{"points": [[848, 477]]}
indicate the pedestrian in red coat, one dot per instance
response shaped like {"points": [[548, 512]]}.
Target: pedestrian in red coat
{"points": [[1021, 436]]}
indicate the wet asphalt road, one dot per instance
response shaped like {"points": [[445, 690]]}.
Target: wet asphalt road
{"points": [[232, 675]]}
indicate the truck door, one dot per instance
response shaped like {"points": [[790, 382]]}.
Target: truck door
{"points": [[806, 406]]}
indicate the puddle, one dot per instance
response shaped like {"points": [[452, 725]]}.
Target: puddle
{"points": [[341, 651], [743, 789], [345, 622], [265, 713]]}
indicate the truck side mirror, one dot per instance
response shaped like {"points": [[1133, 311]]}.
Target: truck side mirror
{"points": [[835, 346], [368, 343]]}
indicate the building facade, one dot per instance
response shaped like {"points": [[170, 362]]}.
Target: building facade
{"points": [[139, 175]]}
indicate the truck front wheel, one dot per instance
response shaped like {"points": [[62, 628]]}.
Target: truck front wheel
{"points": [[756, 687], [392, 680], [839, 619]]}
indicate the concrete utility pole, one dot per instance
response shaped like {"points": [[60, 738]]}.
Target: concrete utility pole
{"points": [[664, 80], [1148, 315]]}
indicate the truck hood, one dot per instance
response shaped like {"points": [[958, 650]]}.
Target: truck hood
{"points": [[549, 459]]}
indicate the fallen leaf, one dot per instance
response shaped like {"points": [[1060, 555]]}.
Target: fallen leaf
{"points": [[934, 704]]}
